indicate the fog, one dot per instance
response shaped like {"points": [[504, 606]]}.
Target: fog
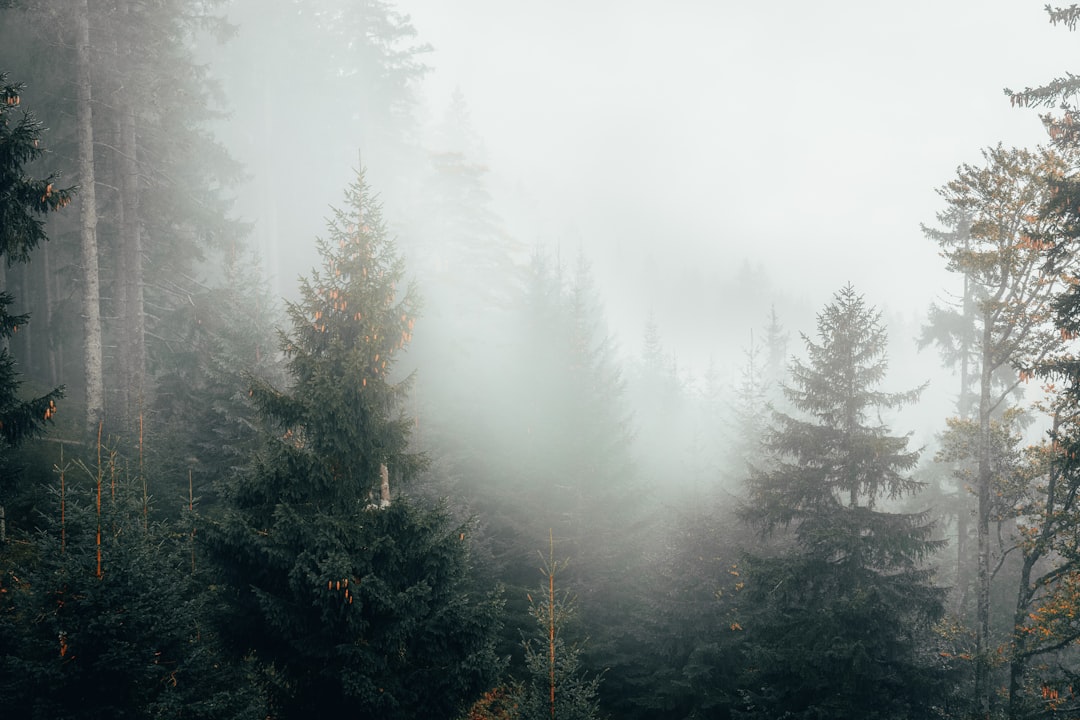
{"points": [[808, 138], [360, 304], [712, 160]]}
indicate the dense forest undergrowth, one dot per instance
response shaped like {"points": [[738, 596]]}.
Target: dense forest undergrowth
{"points": [[432, 485]]}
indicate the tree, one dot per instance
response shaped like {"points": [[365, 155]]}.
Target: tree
{"points": [[133, 107], [995, 238], [556, 686], [836, 623], [88, 222], [103, 614], [23, 202], [208, 427], [1047, 600], [352, 598]]}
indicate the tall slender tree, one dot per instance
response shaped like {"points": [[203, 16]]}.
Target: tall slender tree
{"points": [[556, 685], [995, 239], [88, 222], [1046, 603]]}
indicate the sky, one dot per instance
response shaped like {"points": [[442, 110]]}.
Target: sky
{"points": [[805, 137]]}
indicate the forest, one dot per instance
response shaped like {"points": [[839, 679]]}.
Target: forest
{"points": [[429, 480]]}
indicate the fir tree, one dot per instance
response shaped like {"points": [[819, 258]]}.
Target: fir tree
{"points": [[352, 600], [835, 622]]}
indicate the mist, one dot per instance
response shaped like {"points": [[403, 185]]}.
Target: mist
{"points": [[482, 334]]}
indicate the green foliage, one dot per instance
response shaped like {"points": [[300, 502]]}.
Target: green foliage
{"points": [[19, 419], [206, 423], [349, 602], [367, 612], [685, 627], [101, 613], [342, 416], [23, 199], [835, 456], [836, 626], [556, 685]]}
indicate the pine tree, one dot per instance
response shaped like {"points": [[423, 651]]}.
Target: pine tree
{"points": [[834, 623], [352, 598]]}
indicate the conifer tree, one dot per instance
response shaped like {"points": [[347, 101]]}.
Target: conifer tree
{"points": [[834, 622], [352, 598], [995, 236], [1047, 599], [207, 420], [556, 685], [24, 200], [102, 614]]}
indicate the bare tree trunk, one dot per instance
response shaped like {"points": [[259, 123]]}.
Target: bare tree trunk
{"points": [[5, 344], [963, 409], [384, 486], [50, 347], [26, 336], [84, 121], [982, 629], [962, 571], [132, 268]]}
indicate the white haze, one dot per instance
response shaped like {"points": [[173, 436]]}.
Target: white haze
{"points": [[782, 148], [805, 136], [806, 139]]}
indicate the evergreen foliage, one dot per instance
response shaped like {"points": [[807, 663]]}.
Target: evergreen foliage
{"points": [[215, 344], [349, 602], [836, 625], [556, 685], [24, 200], [102, 613]]}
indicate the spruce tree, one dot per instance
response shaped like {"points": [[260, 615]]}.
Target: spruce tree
{"points": [[352, 598], [24, 201], [835, 621]]}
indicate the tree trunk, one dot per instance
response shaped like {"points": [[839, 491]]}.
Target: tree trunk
{"points": [[50, 347], [962, 572], [84, 121], [1019, 659], [134, 350], [982, 629]]}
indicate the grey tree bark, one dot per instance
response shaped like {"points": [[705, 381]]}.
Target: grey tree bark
{"points": [[91, 286]]}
